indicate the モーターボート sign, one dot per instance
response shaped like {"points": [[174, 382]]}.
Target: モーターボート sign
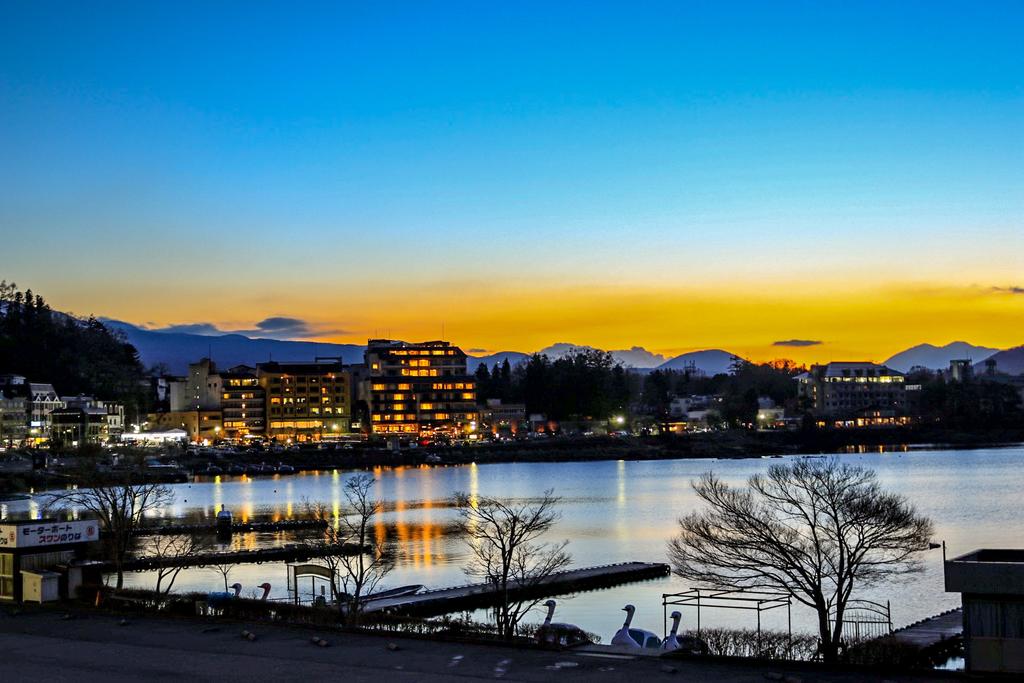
{"points": [[42, 534]]}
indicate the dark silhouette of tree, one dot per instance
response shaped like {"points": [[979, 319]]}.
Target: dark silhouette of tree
{"points": [[813, 529], [506, 551], [77, 356], [119, 506]]}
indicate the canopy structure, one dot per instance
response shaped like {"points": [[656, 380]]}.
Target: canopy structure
{"points": [[730, 599], [155, 437]]}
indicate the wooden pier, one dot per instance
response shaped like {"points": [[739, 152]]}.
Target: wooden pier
{"points": [[288, 553], [236, 527], [475, 596]]}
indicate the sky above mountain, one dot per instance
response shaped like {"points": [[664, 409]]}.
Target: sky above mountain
{"points": [[815, 181]]}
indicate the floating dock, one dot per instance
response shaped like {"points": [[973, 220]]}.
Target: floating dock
{"points": [[236, 527], [288, 553], [932, 632], [475, 596]]}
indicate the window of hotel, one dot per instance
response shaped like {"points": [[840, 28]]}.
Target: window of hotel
{"points": [[398, 406], [426, 406]]}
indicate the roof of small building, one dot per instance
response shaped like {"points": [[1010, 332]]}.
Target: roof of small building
{"points": [[846, 368]]}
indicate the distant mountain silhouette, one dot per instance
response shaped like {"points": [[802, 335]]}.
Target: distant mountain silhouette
{"points": [[938, 357], [635, 357], [1010, 361], [710, 361], [177, 349], [514, 358]]}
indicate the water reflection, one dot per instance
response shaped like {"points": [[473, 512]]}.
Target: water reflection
{"points": [[611, 511]]}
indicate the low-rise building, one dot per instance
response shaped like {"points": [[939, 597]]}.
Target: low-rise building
{"points": [[853, 393], [80, 422], [502, 418], [200, 425], [41, 399], [85, 419], [419, 389], [305, 401], [991, 584], [202, 389], [243, 402], [13, 420]]}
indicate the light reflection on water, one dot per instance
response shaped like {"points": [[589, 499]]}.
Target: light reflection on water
{"points": [[612, 511]]}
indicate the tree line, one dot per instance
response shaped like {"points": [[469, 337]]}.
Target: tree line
{"points": [[75, 355], [590, 384]]}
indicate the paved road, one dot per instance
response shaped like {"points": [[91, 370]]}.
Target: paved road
{"points": [[40, 645]]}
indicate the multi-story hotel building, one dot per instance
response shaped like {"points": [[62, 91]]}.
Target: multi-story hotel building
{"points": [[422, 388], [851, 390], [243, 403], [306, 401]]}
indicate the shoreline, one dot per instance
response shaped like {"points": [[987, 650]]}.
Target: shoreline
{"points": [[732, 445]]}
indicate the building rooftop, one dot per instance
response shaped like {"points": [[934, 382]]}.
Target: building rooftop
{"points": [[855, 369], [993, 571], [300, 367]]}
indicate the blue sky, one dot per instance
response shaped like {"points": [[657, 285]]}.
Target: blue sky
{"points": [[661, 146]]}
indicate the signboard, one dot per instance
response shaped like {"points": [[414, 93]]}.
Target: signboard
{"points": [[40, 534]]}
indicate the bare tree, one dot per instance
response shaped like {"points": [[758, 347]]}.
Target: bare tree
{"points": [[357, 557], [507, 553], [224, 569], [813, 529], [173, 547], [119, 507]]}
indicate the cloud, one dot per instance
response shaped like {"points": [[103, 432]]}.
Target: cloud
{"points": [[274, 327], [1012, 289], [282, 326], [798, 342], [476, 350]]}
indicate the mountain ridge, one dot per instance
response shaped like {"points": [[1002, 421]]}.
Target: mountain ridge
{"points": [[937, 357]]}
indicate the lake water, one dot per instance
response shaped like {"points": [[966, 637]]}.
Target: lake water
{"points": [[615, 511]]}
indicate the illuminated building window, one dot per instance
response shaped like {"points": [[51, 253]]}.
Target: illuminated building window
{"points": [[398, 397], [469, 396], [426, 406], [376, 418], [441, 416], [398, 406], [404, 387], [378, 387]]}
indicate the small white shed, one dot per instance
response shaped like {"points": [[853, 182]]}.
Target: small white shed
{"points": [[40, 586]]}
